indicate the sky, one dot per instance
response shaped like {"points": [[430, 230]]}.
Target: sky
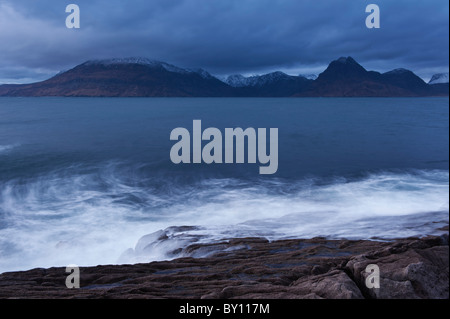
{"points": [[223, 37]]}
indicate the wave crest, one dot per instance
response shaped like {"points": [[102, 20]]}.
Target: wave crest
{"points": [[89, 216]]}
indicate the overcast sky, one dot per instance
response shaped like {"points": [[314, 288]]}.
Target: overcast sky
{"points": [[223, 36]]}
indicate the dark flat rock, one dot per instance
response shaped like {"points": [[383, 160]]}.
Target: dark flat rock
{"points": [[256, 268]]}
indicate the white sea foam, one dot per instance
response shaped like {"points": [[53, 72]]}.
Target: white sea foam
{"points": [[89, 219], [5, 148]]}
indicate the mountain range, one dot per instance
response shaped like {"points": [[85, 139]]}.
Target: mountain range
{"points": [[141, 77]]}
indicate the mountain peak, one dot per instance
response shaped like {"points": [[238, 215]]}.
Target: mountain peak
{"points": [[136, 60], [129, 60], [347, 60], [346, 63], [239, 80], [269, 77], [439, 78], [150, 63], [204, 74], [399, 71], [343, 68], [236, 80]]}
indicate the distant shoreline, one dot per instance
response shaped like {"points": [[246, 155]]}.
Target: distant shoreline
{"points": [[141, 77]]}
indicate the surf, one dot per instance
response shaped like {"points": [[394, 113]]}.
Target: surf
{"points": [[89, 218]]}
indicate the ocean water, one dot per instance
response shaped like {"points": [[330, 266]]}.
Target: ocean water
{"points": [[82, 180]]}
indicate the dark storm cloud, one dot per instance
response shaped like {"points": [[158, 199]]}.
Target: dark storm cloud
{"points": [[224, 36]]}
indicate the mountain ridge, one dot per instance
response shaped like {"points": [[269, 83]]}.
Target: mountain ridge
{"points": [[142, 77]]}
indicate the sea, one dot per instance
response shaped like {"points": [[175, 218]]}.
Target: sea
{"points": [[82, 180]]}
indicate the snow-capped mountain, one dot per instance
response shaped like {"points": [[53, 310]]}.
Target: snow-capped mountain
{"points": [[143, 77], [398, 71], [272, 84], [125, 77], [439, 78], [149, 63], [204, 74], [236, 80], [256, 80], [137, 60], [308, 76]]}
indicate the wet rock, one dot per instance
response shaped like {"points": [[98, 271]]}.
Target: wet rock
{"points": [[331, 285], [162, 244], [416, 268], [252, 268]]}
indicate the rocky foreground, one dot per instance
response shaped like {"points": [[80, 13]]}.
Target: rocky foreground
{"points": [[255, 268]]}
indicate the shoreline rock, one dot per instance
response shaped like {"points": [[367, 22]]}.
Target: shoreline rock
{"points": [[254, 268]]}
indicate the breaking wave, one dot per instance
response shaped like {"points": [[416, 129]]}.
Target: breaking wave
{"points": [[90, 216]]}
